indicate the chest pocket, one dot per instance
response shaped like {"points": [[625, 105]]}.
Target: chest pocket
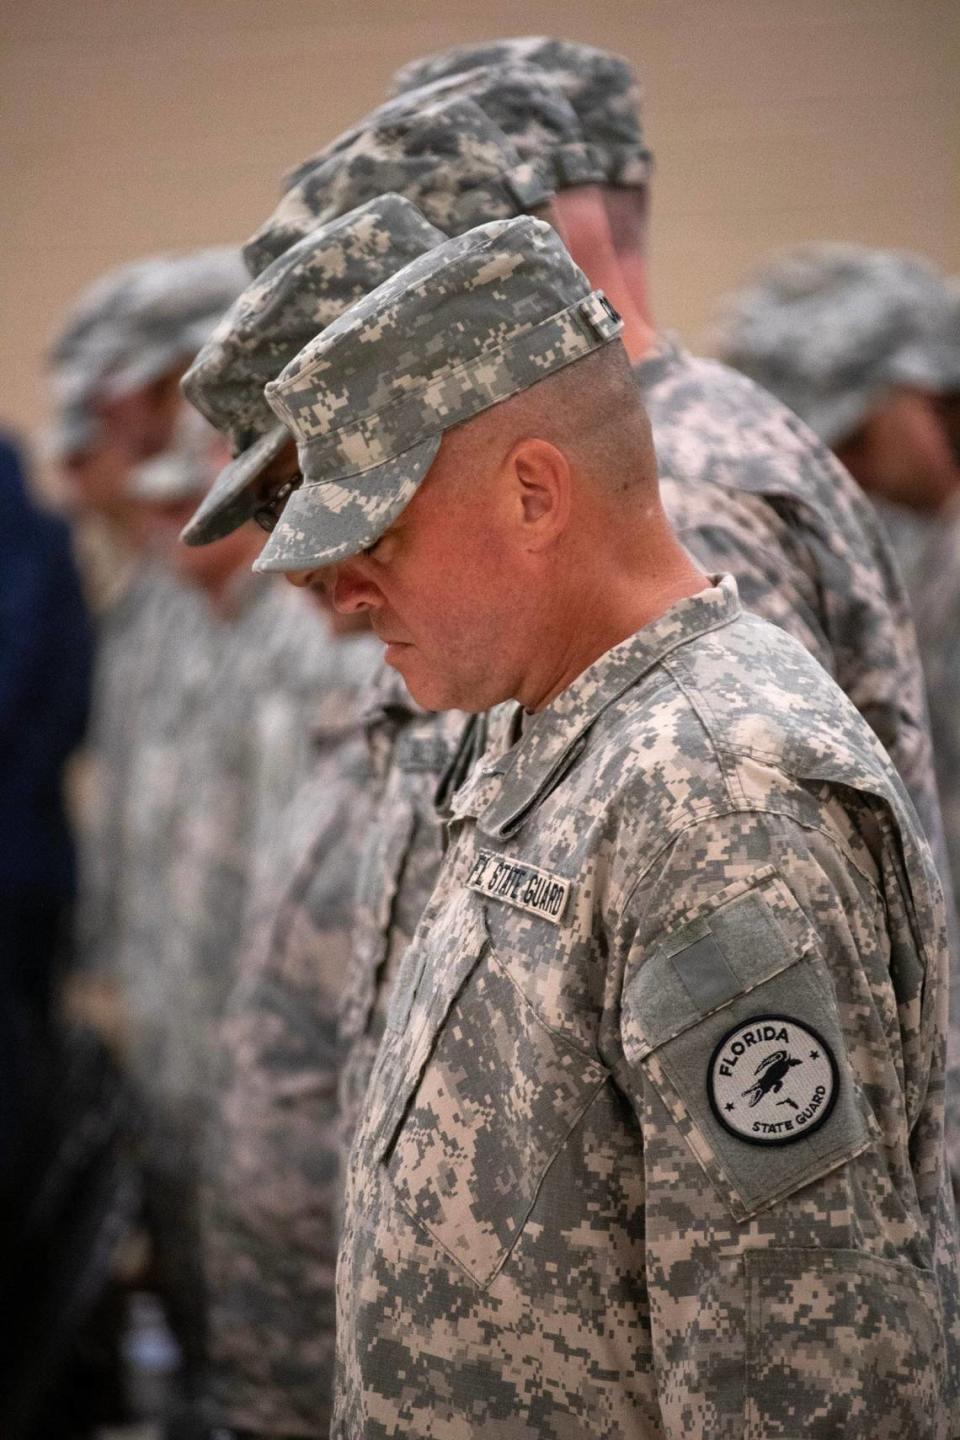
{"points": [[735, 1023], [487, 1097]]}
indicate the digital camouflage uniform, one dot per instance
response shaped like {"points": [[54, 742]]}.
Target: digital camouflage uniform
{"points": [[271, 1196], [202, 799], [688, 918], [411, 750], [549, 1230], [831, 329], [751, 490], [129, 327], [134, 627], [937, 609]]}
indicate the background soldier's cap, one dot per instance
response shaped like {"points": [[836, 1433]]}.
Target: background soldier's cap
{"points": [[603, 89], [295, 298], [829, 328], [478, 319], [130, 327], [182, 471], [527, 104], [448, 158]]}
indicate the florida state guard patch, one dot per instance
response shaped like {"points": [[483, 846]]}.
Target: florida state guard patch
{"points": [[772, 1080]]}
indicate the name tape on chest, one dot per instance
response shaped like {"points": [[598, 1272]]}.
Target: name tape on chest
{"points": [[526, 886], [772, 1080]]}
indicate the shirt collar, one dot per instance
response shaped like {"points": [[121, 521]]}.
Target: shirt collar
{"points": [[501, 792]]}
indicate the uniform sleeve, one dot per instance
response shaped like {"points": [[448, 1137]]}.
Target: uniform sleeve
{"points": [[780, 1054], [272, 1195]]}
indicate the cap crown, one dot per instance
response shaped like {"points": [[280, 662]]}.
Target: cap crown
{"points": [[448, 158], [477, 319], [526, 103], [133, 324], [291, 301], [152, 304], [828, 326], [602, 88], [481, 317]]}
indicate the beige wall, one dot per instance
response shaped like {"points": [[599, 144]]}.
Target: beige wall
{"points": [[137, 125]]}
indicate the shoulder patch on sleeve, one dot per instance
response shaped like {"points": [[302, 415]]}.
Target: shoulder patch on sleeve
{"points": [[772, 1080]]}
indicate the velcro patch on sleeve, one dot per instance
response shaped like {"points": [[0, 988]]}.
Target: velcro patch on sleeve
{"points": [[499, 877]]}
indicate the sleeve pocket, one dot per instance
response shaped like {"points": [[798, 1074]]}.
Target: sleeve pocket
{"points": [[733, 1020], [842, 1343]]}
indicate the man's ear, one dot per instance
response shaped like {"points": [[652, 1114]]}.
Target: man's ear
{"points": [[544, 486]]}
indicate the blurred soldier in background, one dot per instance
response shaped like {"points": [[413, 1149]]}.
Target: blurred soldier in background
{"points": [[46, 649], [115, 373], [272, 1186], [854, 341], [224, 746], [936, 596], [857, 342]]}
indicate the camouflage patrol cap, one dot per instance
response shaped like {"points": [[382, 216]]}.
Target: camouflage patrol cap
{"points": [[130, 327], [603, 89], [448, 158], [295, 297], [827, 328], [478, 319], [525, 102]]}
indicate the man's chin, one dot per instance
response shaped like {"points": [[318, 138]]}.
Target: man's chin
{"points": [[430, 691]]}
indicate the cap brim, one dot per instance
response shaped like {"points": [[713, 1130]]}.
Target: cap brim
{"points": [[230, 500], [327, 521]]}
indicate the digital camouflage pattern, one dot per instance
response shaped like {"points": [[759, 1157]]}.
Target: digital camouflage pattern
{"points": [[134, 629], [936, 598], [198, 805], [475, 320], [410, 750], [284, 308], [273, 1182], [548, 1232], [447, 157], [602, 88], [131, 326], [526, 103], [828, 328], [750, 490]]}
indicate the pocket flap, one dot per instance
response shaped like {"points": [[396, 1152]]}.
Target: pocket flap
{"points": [[748, 933], [434, 971]]}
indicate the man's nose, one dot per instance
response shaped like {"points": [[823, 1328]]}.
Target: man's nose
{"points": [[350, 591]]}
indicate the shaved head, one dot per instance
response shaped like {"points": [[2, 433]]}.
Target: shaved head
{"points": [[591, 410]]}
